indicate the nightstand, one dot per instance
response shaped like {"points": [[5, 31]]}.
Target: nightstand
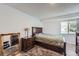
{"points": [[26, 44]]}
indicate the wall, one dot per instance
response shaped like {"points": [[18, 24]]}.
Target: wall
{"points": [[52, 26], [12, 20], [78, 26]]}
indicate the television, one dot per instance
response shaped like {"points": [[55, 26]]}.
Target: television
{"points": [[14, 40]]}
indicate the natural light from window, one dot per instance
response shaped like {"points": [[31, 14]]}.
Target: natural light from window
{"points": [[68, 27]]}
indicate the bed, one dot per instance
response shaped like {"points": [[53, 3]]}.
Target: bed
{"points": [[52, 42]]}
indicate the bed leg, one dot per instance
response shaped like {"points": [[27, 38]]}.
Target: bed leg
{"points": [[64, 48]]}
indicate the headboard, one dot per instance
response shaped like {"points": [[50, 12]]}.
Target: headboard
{"points": [[36, 30]]}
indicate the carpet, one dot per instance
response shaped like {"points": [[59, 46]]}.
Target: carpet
{"points": [[39, 51]]}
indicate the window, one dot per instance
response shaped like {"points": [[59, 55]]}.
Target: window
{"points": [[64, 27], [68, 27], [72, 27]]}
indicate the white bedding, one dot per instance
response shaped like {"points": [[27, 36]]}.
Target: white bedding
{"points": [[56, 40], [53, 37]]}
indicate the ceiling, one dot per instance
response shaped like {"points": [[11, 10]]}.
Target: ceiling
{"points": [[45, 10]]}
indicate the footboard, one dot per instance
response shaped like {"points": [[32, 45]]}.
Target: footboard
{"points": [[52, 47]]}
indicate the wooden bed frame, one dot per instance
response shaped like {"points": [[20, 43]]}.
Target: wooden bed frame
{"points": [[77, 43], [36, 30]]}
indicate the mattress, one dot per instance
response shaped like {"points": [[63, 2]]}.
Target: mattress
{"points": [[55, 40]]}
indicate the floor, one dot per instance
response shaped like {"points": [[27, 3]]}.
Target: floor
{"points": [[39, 51], [70, 50]]}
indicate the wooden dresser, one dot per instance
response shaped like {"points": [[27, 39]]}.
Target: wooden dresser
{"points": [[26, 44]]}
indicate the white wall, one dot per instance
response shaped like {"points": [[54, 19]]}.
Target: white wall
{"points": [[52, 26], [12, 20]]}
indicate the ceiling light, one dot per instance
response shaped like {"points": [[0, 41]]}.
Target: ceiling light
{"points": [[52, 3]]}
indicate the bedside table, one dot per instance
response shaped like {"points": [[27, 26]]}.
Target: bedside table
{"points": [[26, 44]]}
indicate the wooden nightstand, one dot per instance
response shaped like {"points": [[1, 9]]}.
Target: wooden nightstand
{"points": [[26, 44]]}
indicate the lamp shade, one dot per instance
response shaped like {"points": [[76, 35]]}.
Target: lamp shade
{"points": [[26, 29]]}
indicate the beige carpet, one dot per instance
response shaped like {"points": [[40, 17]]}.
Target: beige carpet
{"points": [[39, 51]]}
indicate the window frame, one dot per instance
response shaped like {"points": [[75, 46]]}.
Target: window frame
{"points": [[68, 26]]}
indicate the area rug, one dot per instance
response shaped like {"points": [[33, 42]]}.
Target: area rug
{"points": [[39, 51]]}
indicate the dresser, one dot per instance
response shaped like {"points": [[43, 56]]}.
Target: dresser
{"points": [[26, 44]]}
